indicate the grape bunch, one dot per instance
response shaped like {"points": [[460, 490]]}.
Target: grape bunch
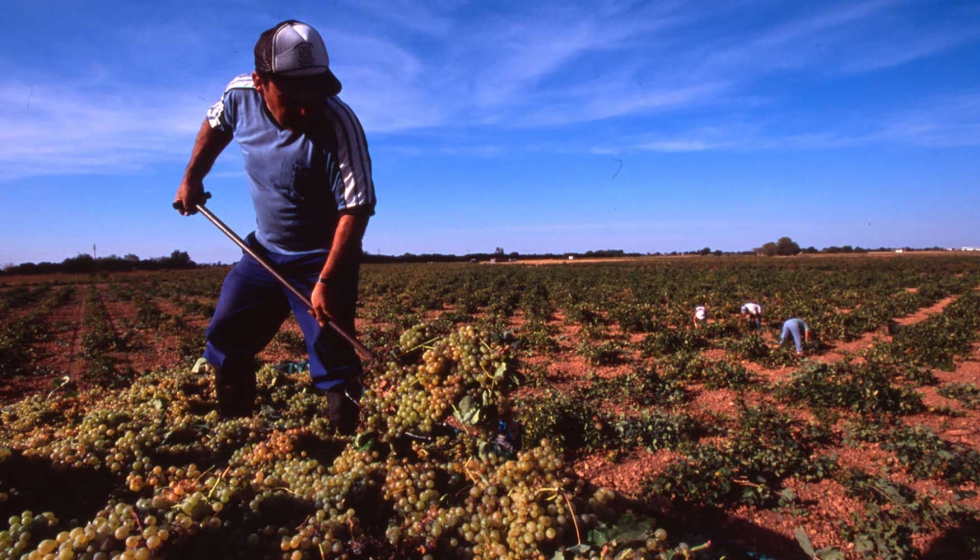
{"points": [[411, 489], [415, 337], [413, 398]]}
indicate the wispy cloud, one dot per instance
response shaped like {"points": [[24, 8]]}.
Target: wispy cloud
{"points": [[948, 121], [846, 38], [431, 18], [678, 145], [467, 150], [736, 141], [652, 225], [54, 129], [951, 120], [539, 68], [615, 99], [787, 44], [882, 52], [516, 56]]}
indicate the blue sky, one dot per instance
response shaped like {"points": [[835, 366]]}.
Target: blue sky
{"points": [[532, 126]]}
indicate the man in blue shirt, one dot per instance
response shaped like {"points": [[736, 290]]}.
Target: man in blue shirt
{"points": [[793, 326], [309, 175]]}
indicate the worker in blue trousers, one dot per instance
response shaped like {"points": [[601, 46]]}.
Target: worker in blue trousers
{"points": [[793, 327]]}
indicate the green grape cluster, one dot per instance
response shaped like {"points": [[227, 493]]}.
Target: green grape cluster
{"points": [[16, 540], [114, 533], [519, 507], [415, 337], [413, 398], [354, 478], [411, 488]]}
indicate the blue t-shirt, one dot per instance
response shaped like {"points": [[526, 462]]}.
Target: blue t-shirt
{"points": [[300, 182]]}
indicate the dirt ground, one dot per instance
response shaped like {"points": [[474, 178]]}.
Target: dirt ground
{"points": [[827, 504], [59, 352]]}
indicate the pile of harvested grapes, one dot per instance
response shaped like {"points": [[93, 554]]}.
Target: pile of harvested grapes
{"points": [[436, 470]]}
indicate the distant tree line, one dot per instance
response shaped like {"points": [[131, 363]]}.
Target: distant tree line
{"points": [[785, 246], [497, 254], [83, 263]]}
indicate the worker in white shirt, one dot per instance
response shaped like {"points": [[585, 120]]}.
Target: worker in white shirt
{"points": [[753, 311], [700, 315]]}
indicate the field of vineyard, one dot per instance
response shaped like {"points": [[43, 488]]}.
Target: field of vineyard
{"points": [[558, 412]]}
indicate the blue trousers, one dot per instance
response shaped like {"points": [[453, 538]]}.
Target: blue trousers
{"points": [[792, 327], [253, 305]]}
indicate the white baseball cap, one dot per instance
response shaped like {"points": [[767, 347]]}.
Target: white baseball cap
{"points": [[294, 50]]}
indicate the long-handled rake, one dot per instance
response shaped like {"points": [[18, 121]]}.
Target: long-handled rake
{"points": [[364, 351]]}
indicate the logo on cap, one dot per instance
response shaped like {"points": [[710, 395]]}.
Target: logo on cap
{"points": [[305, 52]]}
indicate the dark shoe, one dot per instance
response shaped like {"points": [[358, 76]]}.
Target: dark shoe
{"points": [[236, 391], [343, 409]]}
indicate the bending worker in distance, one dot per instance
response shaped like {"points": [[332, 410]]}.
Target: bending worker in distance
{"points": [[309, 174], [754, 313], [700, 316], [793, 326]]}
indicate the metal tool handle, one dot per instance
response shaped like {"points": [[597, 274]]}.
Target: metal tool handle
{"points": [[361, 349]]}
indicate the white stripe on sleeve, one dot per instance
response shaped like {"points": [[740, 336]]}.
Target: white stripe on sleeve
{"points": [[216, 112], [353, 158]]}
